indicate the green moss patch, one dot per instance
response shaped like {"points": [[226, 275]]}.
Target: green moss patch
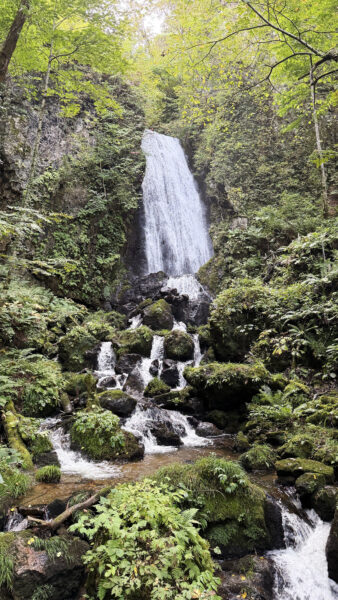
{"points": [[158, 315], [48, 474], [178, 345], [135, 341]]}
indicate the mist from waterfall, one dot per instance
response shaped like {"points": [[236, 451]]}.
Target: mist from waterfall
{"points": [[176, 232]]}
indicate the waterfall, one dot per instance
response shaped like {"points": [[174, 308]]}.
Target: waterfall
{"points": [[301, 568], [105, 372], [176, 234]]}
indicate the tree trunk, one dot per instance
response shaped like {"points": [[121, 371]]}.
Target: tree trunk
{"points": [[11, 40], [325, 202]]}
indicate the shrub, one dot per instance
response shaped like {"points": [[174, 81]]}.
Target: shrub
{"points": [[48, 474], [13, 483], [145, 547]]}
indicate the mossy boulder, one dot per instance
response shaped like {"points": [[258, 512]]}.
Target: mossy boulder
{"points": [[292, 468], [178, 345], [227, 385], [324, 502], [260, 457], [323, 410], [158, 315], [78, 384], [156, 387], [118, 402], [298, 446], [14, 483], [235, 510], [74, 345], [134, 341], [97, 433], [307, 484]]}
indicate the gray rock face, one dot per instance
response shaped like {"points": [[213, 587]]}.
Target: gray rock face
{"points": [[165, 434], [47, 458], [259, 578], [208, 430], [118, 402], [127, 362], [170, 374]]}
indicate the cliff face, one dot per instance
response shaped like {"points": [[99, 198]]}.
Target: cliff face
{"points": [[89, 169]]}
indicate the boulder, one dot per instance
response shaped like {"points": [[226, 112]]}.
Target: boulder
{"points": [[56, 507], [170, 374], [242, 443], [307, 484], [154, 367], [134, 341], [324, 502], [107, 382], [156, 387], [178, 345], [205, 429], [258, 581], [165, 434], [289, 469], [127, 362], [158, 315], [47, 458], [118, 402], [260, 457], [332, 549], [64, 574], [227, 385], [134, 382]]}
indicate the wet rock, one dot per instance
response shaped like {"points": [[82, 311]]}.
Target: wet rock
{"points": [[127, 363], [148, 286], [241, 442], [289, 469], [178, 345], [134, 382], [154, 367], [38, 511], [34, 569], [257, 582], [118, 402], [307, 484], [324, 502], [208, 430], [56, 507], [107, 382], [274, 523], [47, 458], [156, 387], [170, 374], [165, 434], [158, 315], [332, 549], [260, 457], [91, 357]]}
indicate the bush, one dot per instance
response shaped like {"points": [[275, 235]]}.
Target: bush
{"points": [[48, 474], [145, 548], [13, 483]]}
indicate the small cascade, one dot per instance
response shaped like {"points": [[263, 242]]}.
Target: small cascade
{"points": [[179, 326], [197, 350], [16, 522], [74, 463], [143, 420], [106, 360], [135, 322], [157, 352], [186, 284], [301, 568]]}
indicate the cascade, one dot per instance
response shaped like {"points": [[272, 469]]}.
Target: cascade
{"points": [[176, 234], [301, 568], [105, 372]]}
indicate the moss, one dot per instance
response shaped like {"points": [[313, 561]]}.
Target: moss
{"points": [[97, 433], [227, 384], [79, 383], [294, 467], [48, 474], [81, 338], [135, 341], [298, 446], [241, 442], [158, 315], [11, 423], [40, 445], [259, 457], [308, 483], [178, 345], [156, 387], [323, 410], [231, 506]]}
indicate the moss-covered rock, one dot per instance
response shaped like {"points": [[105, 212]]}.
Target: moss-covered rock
{"points": [[219, 418], [332, 549], [97, 433], [178, 345], [78, 384], [308, 483], [79, 340], [233, 508], [259, 457], [292, 468], [48, 474], [225, 385], [323, 410], [156, 387], [324, 502], [298, 446], [158, 315], [13, 485], [242, 443], [117, 401], [135, 341]]}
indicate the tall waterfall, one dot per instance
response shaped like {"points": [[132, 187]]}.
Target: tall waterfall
{"points": [[176, 234]]}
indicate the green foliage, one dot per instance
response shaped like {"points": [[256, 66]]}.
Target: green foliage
{"points": [[98, 434], [145, 547], [259, 457], [13, 483], [54, 546], [156, 387], [137, 340], [7, 558], [178, 345], [158, 315], [75, 343], [48, 474], [43, 592]]}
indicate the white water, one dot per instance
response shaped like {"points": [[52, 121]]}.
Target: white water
{"points": [[186, 284], [157, 352], [106, 361], [176, 234], [140, 424], [301, 567], [74, 463], [135, 322]]}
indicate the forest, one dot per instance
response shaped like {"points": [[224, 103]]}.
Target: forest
{"points": [[168, 300]]}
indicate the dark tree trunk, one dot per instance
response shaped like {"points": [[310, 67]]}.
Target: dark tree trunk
{"points": [[11, 40]]}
